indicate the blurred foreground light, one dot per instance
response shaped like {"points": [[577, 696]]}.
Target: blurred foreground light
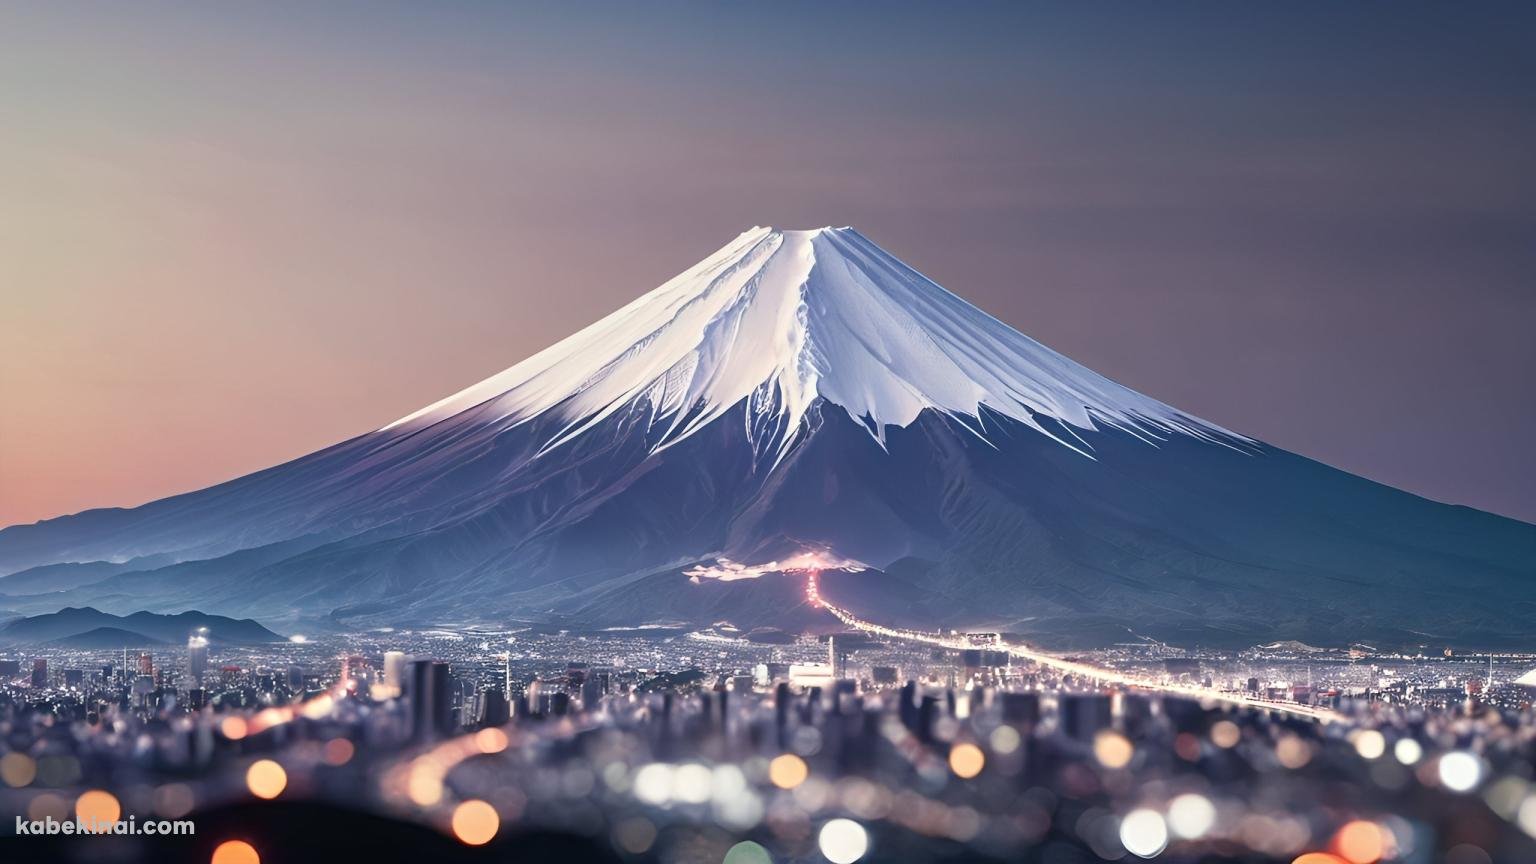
{"points": [[747, 852], [235, 852], [1226, 734], [1460, 771], [425, 783], [338, 751], [1005, 740], [174, 800], [691, 783], [787, 771], [1370, 744], [634, 835], [1319, 858], [1191, 815], [491, 740], [1360, 842], [475, 823], [843, 841], [1112, 749], [266, 779], [1293, 752], [233, 728], [1407, 751], [653, 783], [17, 769], [966, 760], [1143, 833], [96, 806]]}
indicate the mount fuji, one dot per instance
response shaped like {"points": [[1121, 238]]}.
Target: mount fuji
{"points": [[798, 401]]}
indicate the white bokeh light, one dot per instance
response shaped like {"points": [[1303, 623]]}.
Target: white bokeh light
{"points": [[1144, 833], [1460, 771], [1407, 751], [843, 841], [1191, 815]]}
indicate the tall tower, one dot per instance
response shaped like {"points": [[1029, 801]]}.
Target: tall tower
{"points": [[197, 654]]}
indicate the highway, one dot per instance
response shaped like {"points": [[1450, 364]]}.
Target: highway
{"points": [[1100, 674]]}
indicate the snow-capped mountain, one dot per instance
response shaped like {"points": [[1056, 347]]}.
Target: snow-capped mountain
{"points": [[803, 400]]}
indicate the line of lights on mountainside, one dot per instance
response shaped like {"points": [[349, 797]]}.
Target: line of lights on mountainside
{"points": [[1085, 670]]}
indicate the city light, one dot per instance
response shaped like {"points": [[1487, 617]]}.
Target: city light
{"points": [[1460, 771], [97, 806], [235, 852], [966, 760], [787, 771], [1191, 815], [475, 823], [1143, 833], [266, 779], [843, 841]]}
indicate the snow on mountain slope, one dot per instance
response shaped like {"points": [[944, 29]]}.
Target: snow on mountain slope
{"points": [[779, 318]]}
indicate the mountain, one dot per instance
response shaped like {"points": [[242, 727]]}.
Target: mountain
{"points": [[107, 639], [87, 625], [802, 400]]}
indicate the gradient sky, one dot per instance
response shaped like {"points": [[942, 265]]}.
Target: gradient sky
{"points": [[230, 236]]}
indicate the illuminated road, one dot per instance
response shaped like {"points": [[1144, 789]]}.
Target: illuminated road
{"points": [[1100, 674]]}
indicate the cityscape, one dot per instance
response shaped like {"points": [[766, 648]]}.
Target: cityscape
{"points": [[705, 745], [695, 432]]}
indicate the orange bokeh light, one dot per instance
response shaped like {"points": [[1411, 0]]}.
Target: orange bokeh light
{"points": [[338, 751], [233, 728], [97, 806], [235, 852], [475, 823], [1319, 858], [1360, 842], [266, 779]]}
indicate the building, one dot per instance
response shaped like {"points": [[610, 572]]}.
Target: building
{"points": [[40, 672], [197, 655], [429, 692]]}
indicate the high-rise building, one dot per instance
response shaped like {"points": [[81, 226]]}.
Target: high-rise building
{"points": [[394, 674], [494, 710], [197, 655], [430, 698], [837, 658], [74, 678], [40, 672], [10, 668], [146, 664]]}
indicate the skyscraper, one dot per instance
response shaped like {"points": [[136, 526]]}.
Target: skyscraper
{"points": [[40, 672], [431, 707], [197, 655], [394, 673]]}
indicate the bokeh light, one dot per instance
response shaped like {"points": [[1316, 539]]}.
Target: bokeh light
{"points": [[1143, 833], [747, 852], [233, 728], [97, 806], [1407, 751], [266, 779], [1360, 842], [338, 751], [1226, 734], [787, 771], [1319, 858], [1191, 815], [1460, 771], [17, 769], [843, 841], [235, 852], [966, 760], [1370, 744], [475, 823], [1112, 749]]}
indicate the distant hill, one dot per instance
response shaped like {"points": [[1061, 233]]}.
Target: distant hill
{"points": [[72, 622], [107, 638]]}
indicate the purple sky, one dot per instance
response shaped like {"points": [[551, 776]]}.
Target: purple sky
{"points": [[230, 237]]}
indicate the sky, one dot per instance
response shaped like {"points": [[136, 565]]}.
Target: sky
{"points": [[232, 234]]}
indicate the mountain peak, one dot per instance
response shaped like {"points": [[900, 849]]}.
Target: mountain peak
{"points": [[784, 319]]}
